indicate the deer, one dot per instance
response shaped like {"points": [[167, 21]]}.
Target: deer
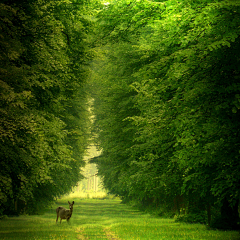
{"points": [[64, 213]]}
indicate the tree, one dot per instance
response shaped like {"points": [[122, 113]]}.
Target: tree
{"points": [[44, 122], [181, 65]]}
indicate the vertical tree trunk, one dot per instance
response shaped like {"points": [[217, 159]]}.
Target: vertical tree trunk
{"points": [[96, 184], [16, 205], [209, 214], [229, 214]]}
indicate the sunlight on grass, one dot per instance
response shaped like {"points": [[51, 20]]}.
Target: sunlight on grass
{"points": [[87, 195], [104, 219]]}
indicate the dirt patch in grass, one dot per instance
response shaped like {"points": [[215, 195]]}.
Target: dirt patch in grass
{"points": [[111, 235], [80, 232]]}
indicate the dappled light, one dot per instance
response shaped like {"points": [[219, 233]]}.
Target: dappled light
{"points": [[105, 219], [129, 108]]}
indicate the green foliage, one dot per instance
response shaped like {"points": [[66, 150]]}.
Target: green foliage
{"points": [[44, 106], [192, 218], [167, 100]]}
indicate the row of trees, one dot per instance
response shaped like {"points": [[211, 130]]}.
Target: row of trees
{"points": [[91, 182], [167, 99], [44, 114]]}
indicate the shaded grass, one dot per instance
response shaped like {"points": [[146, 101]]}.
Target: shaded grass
{"points": [[168, 229], [34, 227], [104, 219]]}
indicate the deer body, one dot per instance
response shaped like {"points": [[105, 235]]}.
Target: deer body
{"points": [[64, 213]]}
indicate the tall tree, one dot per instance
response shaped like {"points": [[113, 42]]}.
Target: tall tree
{"points": [[184, 72], [44, 112]]}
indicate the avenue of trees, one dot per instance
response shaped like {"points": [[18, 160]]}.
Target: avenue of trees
{"points": [[44, 114], [166, 85], [164, 79]]}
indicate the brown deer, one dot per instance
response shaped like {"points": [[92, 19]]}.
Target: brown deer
{"points": [[64, 213]]}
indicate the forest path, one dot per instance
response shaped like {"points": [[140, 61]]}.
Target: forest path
{"points": [[108, 219], [97, 217]]}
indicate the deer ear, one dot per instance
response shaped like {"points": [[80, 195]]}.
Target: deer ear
{"points": [[69, 202], [73, 202]]}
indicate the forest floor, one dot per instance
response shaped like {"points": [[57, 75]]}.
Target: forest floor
{"points": [[104, 219]]}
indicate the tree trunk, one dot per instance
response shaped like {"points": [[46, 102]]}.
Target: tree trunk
{"points": [[229, 215], [16, 205], [209, 214]]}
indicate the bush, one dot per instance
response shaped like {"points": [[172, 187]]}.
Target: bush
{"points": [[191, 218], [220, 222]]}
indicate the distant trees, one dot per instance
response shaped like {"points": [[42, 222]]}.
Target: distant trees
{"points": [[44, 113], [165, 82], [167, 100]]}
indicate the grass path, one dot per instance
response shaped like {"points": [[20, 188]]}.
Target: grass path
{"points": [[106, 220]]}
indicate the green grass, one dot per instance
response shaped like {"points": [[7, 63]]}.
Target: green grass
{"points": [[104, 219]]}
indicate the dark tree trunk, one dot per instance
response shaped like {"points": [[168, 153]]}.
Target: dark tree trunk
{"points": [[230, 214], [209, 214]]}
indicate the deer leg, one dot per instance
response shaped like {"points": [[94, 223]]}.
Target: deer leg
{"points": [[60, 220]]}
